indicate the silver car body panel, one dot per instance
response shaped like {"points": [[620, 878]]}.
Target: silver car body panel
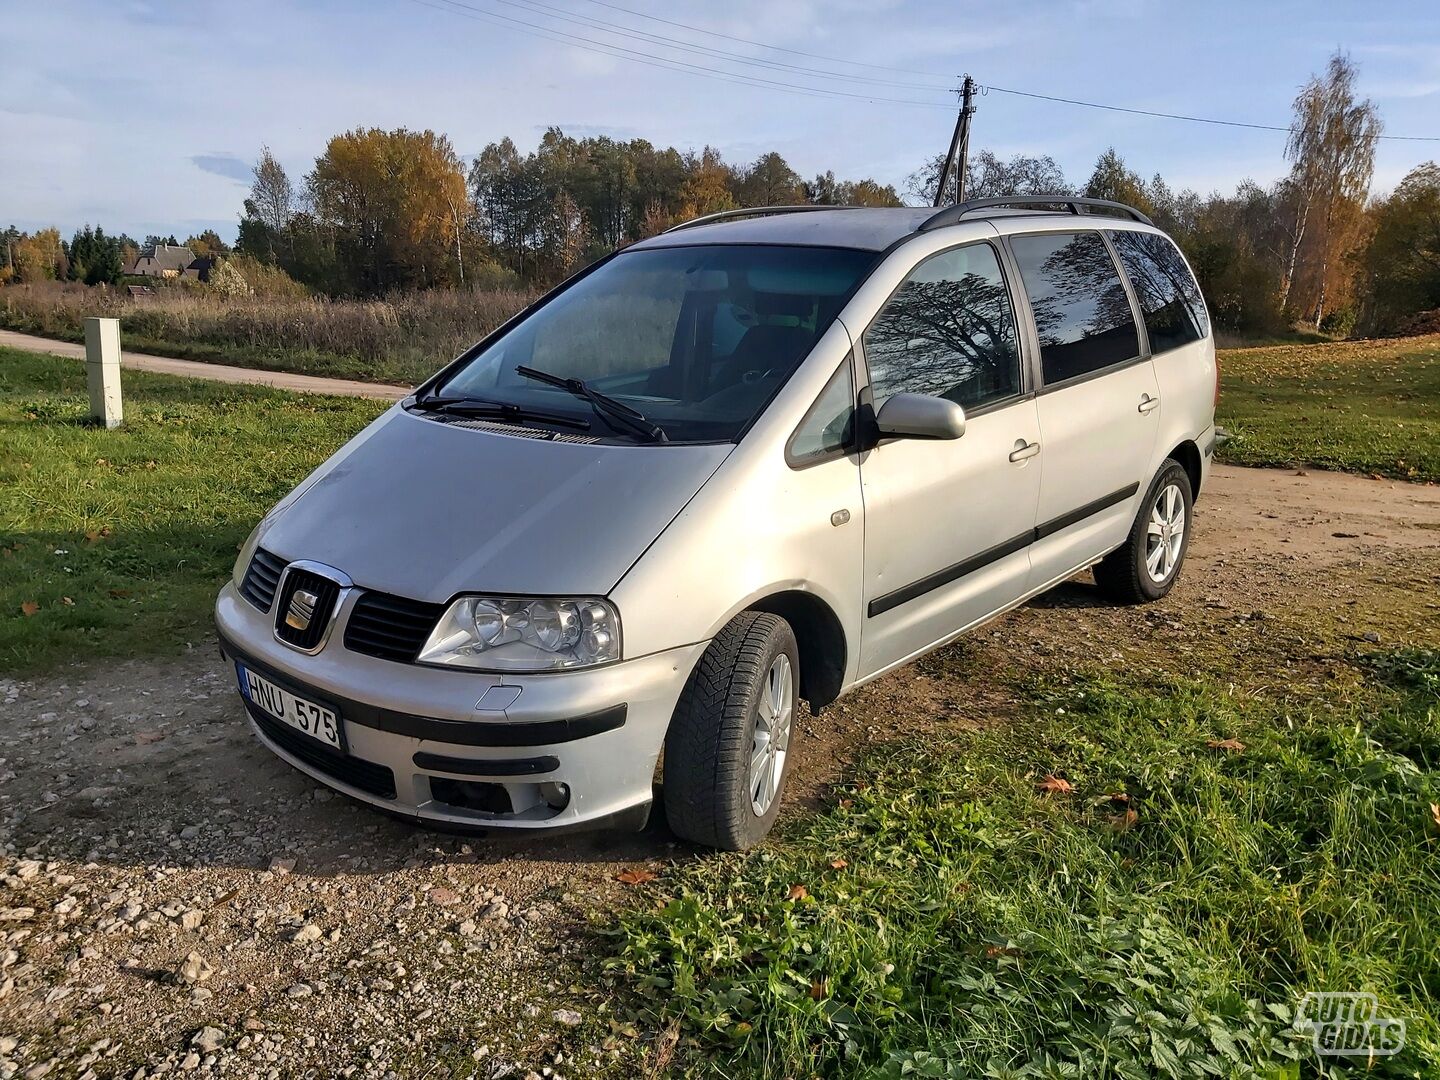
{"points": [[682, 538], [427, 510]]}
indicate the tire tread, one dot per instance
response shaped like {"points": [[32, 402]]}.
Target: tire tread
{"points": [[706, 748]]}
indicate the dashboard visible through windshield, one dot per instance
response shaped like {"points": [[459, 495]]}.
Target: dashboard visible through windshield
{"points": [[696, 340]]}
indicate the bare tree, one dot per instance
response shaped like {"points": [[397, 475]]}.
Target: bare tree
{"points": [[1332, 154], [271, 195], [987, 176]]}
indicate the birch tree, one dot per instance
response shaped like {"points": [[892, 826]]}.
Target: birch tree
{"points": [[1331, 150]]}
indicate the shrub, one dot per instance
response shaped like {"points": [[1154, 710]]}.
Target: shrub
{"points": [[402, 338]]}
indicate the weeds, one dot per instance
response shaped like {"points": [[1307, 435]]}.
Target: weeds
{"points": [[114, 543], [402, 339], [1357, 406], [953, 914]]}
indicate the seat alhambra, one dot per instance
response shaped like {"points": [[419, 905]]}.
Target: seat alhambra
{"points": [[761, 458]]}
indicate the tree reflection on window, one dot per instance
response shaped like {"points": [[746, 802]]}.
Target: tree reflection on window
{"points": [[1169, 298], [1082, 312], [948, 331]]}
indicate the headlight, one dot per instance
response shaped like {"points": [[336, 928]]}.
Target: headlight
{"points": [[498, 633]]}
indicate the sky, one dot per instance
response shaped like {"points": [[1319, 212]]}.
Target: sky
{"points": [[147, 115]]}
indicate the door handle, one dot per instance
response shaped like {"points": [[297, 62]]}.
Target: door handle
{"points": [[1024, 450], [1148, 403]]}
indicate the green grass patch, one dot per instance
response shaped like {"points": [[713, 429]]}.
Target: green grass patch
{"points": [[114, 543], [1368, 407], [948, 916]]}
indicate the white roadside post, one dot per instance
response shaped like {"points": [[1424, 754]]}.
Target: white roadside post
{"points": [[102, 370]]}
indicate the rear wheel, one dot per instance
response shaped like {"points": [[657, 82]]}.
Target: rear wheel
{"points": [[728, 749], [1145, 567]]}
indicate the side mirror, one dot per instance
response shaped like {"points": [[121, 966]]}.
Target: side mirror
{"points": [[920, 416]]}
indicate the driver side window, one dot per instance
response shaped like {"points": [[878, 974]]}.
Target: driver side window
{"points": [[949, 331]]}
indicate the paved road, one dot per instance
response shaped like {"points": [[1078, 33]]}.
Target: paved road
{"points": [[310, 384]]}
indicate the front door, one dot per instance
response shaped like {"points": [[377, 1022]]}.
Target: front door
{"points": [[948, 523]]}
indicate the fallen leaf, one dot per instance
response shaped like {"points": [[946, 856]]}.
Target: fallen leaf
{"points": [[1124, 822], [30, 607], [67, 601], [1226, 744], [1435, 812], [846, 804], [1118, 797], [742, 1028], [1055, 784], [838, 864], [798, 892], [636, 875], [819, 989], [119, 592]]}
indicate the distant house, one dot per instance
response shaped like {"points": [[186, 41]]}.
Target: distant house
{"points": [[199, 269], [163, 261]]}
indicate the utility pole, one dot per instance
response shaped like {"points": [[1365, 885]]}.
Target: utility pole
{"points": [[959, 145]]}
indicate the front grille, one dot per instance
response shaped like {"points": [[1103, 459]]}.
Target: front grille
{"points": [[261, 577], [356, 772], [316, 620], [390, 627]]}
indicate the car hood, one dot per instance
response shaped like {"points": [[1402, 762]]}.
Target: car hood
{"points": [[427, 510]]}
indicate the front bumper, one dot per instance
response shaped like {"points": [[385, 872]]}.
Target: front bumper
{"points": [[597, 732]]}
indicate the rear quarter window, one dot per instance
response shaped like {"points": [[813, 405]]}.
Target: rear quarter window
{"points": [[1170, 300]]}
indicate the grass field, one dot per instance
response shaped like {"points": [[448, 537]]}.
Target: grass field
{"points": [[1137, 880], [114, 543], [401, 339], [1358, 406]]}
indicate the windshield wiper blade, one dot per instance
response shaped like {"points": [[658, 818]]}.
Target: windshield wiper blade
{"points": [[612, 409], [496, 410]]}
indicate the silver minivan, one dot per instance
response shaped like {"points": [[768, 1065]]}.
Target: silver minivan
{"points": [[763, 457]]}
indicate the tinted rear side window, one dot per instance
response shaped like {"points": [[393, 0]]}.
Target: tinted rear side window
{"points": [[1082, 312], [1169, 299]]}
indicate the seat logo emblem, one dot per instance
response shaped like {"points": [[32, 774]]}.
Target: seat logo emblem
{"points": [[301, 609]]}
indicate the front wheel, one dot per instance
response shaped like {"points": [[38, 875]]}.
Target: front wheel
{"points": [[728, 748], [1145, 567]]}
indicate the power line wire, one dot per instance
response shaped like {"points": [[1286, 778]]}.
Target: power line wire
{"points": [[1180, 116], [742, 78], [764, 45], [563, 14], [456, 7]]}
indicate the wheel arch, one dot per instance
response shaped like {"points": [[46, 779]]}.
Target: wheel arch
{"points": [[1188, 455], [820, 637]]}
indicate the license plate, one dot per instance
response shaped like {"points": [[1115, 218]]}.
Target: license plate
{"points": [[314, 720]]}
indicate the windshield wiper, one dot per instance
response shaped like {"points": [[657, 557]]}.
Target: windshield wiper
{"points": [[611, 409], [503, 411]]}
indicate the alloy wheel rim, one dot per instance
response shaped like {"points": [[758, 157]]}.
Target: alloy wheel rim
{"points": [[773, 715], [1165, 534]]}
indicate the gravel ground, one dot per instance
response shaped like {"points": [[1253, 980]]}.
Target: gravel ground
{"points": [[174, 899]]}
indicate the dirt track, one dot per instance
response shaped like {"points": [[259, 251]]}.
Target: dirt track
{"points": [[141, 825]]}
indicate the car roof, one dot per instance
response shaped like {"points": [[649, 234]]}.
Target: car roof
{"points": [[861, 227]]}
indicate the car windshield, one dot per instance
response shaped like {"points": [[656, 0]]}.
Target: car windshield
{"points": [[695, 339]]}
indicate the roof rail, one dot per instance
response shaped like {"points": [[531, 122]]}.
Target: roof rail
{"points": [[753, 211], [951, 214]]}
